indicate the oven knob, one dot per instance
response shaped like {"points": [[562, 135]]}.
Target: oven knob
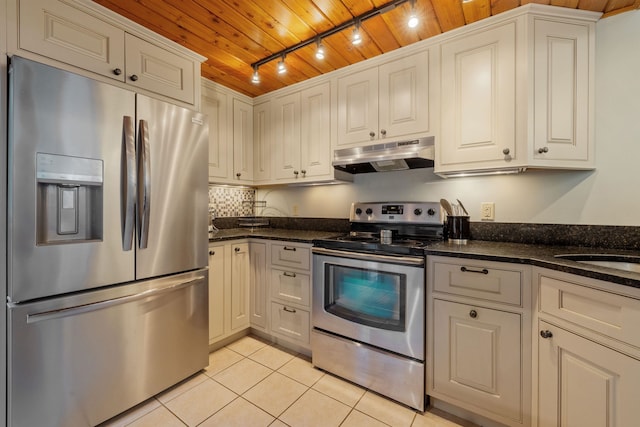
{"points": [[418, 212], [368, 211], [431, 212], [358, 211]]}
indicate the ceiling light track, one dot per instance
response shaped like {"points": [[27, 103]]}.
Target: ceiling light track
{"points": [[355, 22]]}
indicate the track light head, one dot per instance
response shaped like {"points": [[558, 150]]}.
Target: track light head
{"points": [[320, 50], [282, 67], [356, 38]]}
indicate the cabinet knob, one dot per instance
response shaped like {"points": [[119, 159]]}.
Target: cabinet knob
{"points": [[296, 173], [238, 175], [303, 171], [236, 249], [543, 150], [473, 314], [133, 78], [372, 134], [546, 334], [383, 132], [117, 71], [212, 253], [506, 151]]}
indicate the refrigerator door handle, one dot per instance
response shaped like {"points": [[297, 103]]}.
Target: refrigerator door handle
{"points": [[87, 308], [128, 182], [144, 182]]}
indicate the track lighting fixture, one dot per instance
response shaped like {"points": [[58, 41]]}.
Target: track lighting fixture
{"points": [[256, 77], [413, 18], [320, 50], [282, 67], [356, 38], [356, 35]]}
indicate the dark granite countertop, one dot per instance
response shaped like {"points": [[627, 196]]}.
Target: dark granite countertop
{"points": [[541, 256], [302, 236]]}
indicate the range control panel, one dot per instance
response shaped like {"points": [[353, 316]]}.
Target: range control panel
{"points": [[396, 212]]}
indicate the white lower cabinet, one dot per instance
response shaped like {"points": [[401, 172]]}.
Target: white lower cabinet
{"points": [[229, 275], [290, 296], [479, 337], [478, 357], [588, 352], [263, 285], [259, 285], [582, 383]]}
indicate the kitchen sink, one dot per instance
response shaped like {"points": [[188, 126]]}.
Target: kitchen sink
{"points": [[619, 262]]}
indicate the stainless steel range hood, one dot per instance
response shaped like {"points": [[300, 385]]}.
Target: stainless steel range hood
{"points": [[387, 156]]}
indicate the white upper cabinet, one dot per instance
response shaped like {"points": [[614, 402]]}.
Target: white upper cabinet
{"points": [[562, 92], [517, 92], [262, 142], [389, 101], [242, 142], [84, 38], [215, 106], [479, 97], [302, 135]]}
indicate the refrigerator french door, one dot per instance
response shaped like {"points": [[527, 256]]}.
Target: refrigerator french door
{"points": [[107, 247]]}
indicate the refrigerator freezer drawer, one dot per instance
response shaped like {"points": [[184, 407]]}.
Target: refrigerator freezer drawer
{"points": [[82, 359]]}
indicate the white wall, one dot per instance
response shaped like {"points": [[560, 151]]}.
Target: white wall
{"points": [[610, 195]]}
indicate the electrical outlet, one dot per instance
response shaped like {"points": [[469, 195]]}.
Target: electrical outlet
{"points": [[295, 210], [487, 211]]}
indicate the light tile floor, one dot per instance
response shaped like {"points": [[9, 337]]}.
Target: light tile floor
{"points": [[251, 383]]}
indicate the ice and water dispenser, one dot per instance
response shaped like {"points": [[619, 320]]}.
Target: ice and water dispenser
{"points": [[69, 199]]}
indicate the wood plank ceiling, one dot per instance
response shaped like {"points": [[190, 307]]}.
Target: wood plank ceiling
{"points": [[233, 34]]}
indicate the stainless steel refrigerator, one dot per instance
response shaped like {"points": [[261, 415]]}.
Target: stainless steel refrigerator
{"points": [[106, 247]]}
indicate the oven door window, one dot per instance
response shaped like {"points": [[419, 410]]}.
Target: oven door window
{"points": [[369, 297]]}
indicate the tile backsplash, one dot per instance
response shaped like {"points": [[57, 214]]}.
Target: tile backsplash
{"points": [[229, 201]]}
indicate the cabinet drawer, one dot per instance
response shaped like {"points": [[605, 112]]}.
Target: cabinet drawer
{"points": [[291, 286], [612, 315], [290, 322], [288, 255], [487, 281]]}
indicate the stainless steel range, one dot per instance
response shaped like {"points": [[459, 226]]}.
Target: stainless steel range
{"points": [[369, 298]]}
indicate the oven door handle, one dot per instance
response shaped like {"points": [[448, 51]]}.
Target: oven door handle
{"points": [[413, 261]]}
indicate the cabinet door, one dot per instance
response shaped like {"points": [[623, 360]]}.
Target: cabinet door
{"points": [[477, 358], [582, 383], [286, 134], [404, 96], [561, 91], [61, 32], [218, 270], [479, 98], [153, 68], [242, 141], [215, 106], [358, 107], [262, 141], [259, 284], [240, 280], [315, 141]]}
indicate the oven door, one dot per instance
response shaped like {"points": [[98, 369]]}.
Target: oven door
{"points": [[374, 299]]}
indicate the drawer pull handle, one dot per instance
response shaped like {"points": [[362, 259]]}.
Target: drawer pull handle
{"points": [[546, 334], [473, 314], [212, 253], [470, 270], [289, 249], [289, 310], [286, 273]]}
